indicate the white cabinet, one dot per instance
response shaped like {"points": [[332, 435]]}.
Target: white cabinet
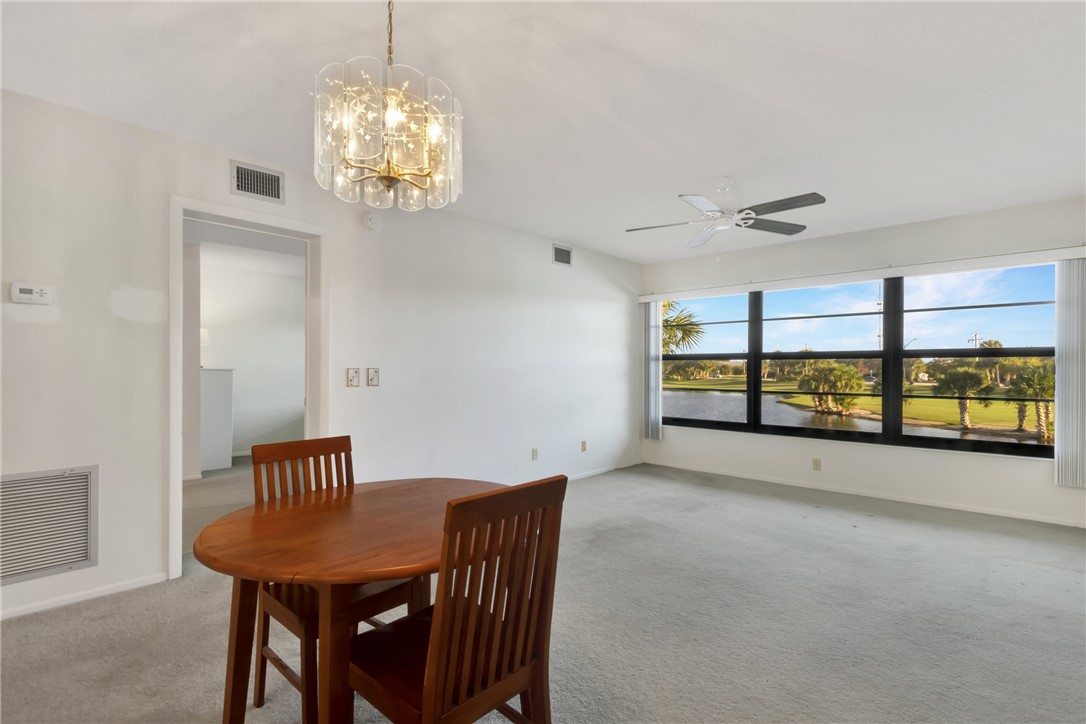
{"points": [[216, 418]]}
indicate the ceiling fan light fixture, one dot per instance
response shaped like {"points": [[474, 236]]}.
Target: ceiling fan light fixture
{"points": [[385, 134]]}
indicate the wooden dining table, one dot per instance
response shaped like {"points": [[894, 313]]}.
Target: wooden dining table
{"points": [[332, 540]]}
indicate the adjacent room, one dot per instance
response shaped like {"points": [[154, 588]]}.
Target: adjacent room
{"points": [[543, 361]]}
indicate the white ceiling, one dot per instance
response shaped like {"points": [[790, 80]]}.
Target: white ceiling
{"points": [[584, 119]]}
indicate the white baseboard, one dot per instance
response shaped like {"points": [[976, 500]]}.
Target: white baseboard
{"points": [[197, 476], [590, 473], [81, 596], [902, 499]]}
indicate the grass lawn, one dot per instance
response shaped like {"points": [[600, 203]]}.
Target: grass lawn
{"points": [[934, 410]]}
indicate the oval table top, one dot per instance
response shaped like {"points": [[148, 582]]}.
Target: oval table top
{"points": [[364, 532]]}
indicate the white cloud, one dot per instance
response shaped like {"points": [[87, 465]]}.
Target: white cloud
{"points": [[942, 290]]}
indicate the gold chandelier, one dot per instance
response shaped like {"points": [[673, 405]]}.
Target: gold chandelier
{"points": [[386, 133]]}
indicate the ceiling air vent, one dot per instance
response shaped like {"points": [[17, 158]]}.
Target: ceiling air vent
{"points": [[563, 255], [256, 182]]}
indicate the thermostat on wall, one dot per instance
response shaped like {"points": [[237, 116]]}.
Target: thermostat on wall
{"points": [[23, 293]]}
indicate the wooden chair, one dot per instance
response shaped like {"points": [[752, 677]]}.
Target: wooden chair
{"points": [[291, 468], [487, 637]]}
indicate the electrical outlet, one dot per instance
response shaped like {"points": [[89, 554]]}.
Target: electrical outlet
{"points": [[373, 377], [816, 464], [352, 377], [584, 445], [535, 453]]}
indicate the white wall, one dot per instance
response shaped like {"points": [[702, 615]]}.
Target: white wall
{"points": [[256, 325], [1000, 484], [486, 349]]}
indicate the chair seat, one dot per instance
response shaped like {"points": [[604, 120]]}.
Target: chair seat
{"points": [[394, 656], [303, 601]]}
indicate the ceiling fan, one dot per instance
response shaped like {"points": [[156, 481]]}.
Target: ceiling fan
{"points": [[749, 217]]}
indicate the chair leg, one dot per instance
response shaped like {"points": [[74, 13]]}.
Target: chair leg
{"points": [[538, 699], [420, 594], [526, 704], [263, 624], [309, 674]]}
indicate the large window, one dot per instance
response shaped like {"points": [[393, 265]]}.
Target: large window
{"points": [[978, 357], [961, 361], [820, 358], [705, 359]]}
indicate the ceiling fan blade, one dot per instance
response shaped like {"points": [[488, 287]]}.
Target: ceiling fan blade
{"points": [[777, 227], [702, 237], [664, 226], [793, 202], [700, 203]]}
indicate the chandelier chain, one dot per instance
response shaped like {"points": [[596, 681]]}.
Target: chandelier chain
{"points": [[390, 32]]}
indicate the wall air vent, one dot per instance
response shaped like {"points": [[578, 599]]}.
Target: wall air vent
{"points": [[256, 182], [563, 255], [48, 523]]}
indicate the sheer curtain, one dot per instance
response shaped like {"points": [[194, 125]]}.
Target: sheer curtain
{"points": [[1071, 373], [653, 331]]}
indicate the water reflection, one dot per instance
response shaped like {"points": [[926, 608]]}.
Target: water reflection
{"points": [[732, 407]]}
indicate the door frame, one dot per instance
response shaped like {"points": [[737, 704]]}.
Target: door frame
{"points": [[316, 339]]}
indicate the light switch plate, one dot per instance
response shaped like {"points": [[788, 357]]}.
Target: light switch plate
{"points": [[373, 376], [352, 377]]}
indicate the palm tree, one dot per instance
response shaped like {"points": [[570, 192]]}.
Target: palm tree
{"points": [[1037, 380], [1014, 369], [993, 362], [825, 381], [682, 330], [963, 382]]}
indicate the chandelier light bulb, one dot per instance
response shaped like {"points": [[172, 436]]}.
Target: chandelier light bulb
{"points": [[393, 116]]}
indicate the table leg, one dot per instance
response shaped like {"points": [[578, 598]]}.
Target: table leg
{"points": [[334, 696], [239, 651]]}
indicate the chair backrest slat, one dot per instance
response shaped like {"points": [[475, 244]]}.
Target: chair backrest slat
{"points": [[495, 592], [486, 599], [501, 598], [289, 468], [457, 597], [478, 547], [508, 663]]}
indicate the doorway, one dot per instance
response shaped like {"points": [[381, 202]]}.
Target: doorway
{"points": [[237, 239], [244, 385]]}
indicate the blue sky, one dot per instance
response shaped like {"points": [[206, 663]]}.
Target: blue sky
{"points": [[1014, 327]]}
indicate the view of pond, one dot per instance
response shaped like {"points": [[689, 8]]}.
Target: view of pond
{"points": [[732, 406]]}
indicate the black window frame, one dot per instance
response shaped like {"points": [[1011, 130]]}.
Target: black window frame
{"points": [[893, 355]]}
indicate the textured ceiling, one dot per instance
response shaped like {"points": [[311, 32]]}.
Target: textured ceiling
{"points": [[584, 119]]}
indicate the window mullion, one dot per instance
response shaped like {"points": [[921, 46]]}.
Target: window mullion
{"points": [[754, 361], [893, 338]]}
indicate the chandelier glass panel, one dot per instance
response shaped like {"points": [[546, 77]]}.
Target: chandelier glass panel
{"points": [[387, 134]]}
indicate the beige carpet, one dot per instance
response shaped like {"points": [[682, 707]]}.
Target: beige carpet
{"points": [[682, 597]]}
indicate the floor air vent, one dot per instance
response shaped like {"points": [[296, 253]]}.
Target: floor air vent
{"points": [[563, 255], [48, 523], [259, 183]]}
